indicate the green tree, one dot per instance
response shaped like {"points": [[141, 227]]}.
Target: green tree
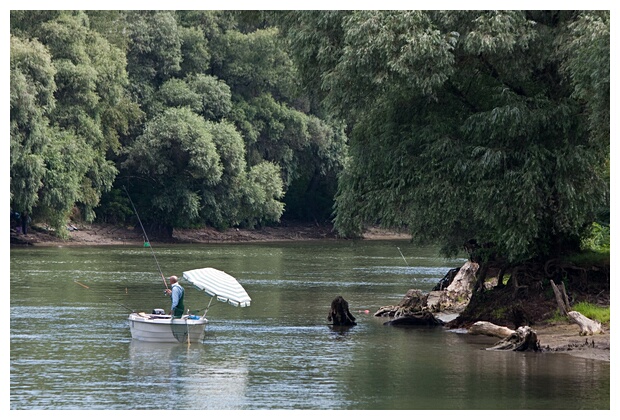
{"points": [[262, 194], [253, 64], [223, 202], [67, 160], [175, 93], [192, 172], [32, 101], [154, 53], [175, 157], [91, 110], [195, 51], [462, 124], [585, 62], [90, 92], [215, 96], [242, 197]]}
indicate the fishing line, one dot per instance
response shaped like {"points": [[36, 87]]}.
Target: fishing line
{"points": [[99, 293], [146, 237], [401, 254]]}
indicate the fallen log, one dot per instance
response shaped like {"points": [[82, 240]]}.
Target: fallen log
{"points": [[587, 325], [523, 339], [490, 329]]}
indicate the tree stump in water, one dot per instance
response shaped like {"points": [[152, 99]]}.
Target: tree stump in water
{"points": [[339, 313], [419, 318], [523, 339], [413, 302], [411, 310]]}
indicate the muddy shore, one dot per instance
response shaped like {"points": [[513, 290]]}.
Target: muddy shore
{"points": [[553, 337], [95, 234]]}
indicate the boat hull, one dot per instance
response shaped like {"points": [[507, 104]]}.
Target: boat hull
{"points": [[164, 329]]}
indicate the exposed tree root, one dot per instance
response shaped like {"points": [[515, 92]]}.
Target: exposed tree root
{"points": [[523, 339]]}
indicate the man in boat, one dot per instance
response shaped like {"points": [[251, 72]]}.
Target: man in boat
{"points": [[176, 294]]}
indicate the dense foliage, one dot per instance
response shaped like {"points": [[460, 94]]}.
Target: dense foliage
{"points": [[487, 128], [197, 114]]}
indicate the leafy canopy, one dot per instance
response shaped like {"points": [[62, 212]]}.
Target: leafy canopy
{"points": [[466, 125]]}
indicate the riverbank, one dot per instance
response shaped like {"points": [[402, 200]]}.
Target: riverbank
{"points": [[107, 234], [554, 337], [563, 337]]}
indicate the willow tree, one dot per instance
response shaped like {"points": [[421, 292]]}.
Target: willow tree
{"points": [[466, 127], [63, 132], [276, 121], [187, 171], [173, 159], [32, 100]]}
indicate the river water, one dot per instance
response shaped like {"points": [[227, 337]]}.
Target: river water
{"points": [[71, 347]]}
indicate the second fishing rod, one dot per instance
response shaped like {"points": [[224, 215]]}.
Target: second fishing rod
{"points": [[146, 237]]}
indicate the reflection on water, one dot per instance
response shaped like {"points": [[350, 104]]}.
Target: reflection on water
{"points": [[192, 379], [71, 347]]}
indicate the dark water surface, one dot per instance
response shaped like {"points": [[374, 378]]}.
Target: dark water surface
{"points": [[71, 347]]}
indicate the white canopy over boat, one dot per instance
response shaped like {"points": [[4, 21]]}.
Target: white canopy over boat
{"points": [[217, 283]]}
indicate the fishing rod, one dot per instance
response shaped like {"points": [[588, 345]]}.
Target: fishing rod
{"points": [[401, 254], [146, 237], [120, 304]]}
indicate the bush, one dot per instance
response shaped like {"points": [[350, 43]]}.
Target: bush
{"points": [[597, 239]]}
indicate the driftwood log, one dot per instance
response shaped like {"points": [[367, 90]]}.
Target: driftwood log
{"points": [[339, 314], [490, 329], [587, 325], [523, 339]]}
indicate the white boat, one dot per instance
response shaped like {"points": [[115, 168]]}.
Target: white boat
{"points": [[158, 327]]}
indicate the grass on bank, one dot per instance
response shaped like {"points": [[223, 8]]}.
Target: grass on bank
{"points": [[592, 311], [589, 310]]}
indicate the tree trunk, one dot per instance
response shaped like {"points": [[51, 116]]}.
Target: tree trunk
{"points": [[500, 277], [561, 297], [458, 294], [481, 277]]}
